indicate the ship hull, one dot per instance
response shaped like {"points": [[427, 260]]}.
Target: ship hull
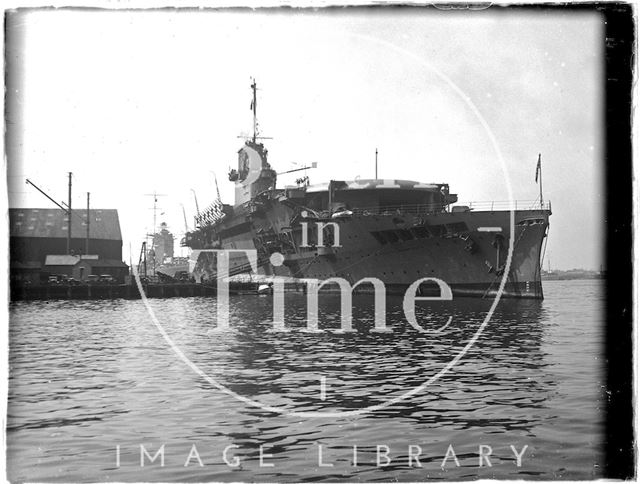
{"points": [[467, 250]]}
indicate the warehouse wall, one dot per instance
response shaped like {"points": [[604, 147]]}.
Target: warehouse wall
{"points": [[23, 249]]}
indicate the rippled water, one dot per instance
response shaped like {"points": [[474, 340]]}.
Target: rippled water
{"points": [[93, 381]]}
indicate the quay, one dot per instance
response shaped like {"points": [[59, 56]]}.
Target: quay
{"points": [[130, 291], [111, 291]]}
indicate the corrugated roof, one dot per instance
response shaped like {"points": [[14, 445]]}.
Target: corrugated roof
{"points": [[52, 222], [61, 260], [105, 263]]}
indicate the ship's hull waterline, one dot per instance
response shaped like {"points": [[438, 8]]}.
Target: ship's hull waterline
{"points": [[467, 250]]}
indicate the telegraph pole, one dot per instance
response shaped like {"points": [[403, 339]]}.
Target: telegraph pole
{"points": [[69, 217], [86, 245], [66, 208]]}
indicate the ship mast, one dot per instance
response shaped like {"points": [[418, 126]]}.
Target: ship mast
{"points": [[254, 109]]}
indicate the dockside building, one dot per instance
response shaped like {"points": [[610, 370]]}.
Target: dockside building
{"points": [[38, 244]]}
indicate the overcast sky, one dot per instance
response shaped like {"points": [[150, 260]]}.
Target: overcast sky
{"points": [[134, 102]]}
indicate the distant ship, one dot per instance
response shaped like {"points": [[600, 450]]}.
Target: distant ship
{"points": [[398, 231]]}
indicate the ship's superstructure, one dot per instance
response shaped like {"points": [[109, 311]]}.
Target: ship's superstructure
{"points": [[162, 246], [395, 230]]}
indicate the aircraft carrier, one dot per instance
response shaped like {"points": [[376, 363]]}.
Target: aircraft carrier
{"points": [[397, 231]]}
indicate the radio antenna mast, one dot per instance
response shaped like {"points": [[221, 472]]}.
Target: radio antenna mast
{"points": [[153, 238], [254, 108]]}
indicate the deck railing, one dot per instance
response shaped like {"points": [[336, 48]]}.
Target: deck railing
{"points": [[508, 205], [424, 209]]}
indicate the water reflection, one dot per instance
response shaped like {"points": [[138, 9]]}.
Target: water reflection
{"points": [[86, 376], [361, 369]]}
